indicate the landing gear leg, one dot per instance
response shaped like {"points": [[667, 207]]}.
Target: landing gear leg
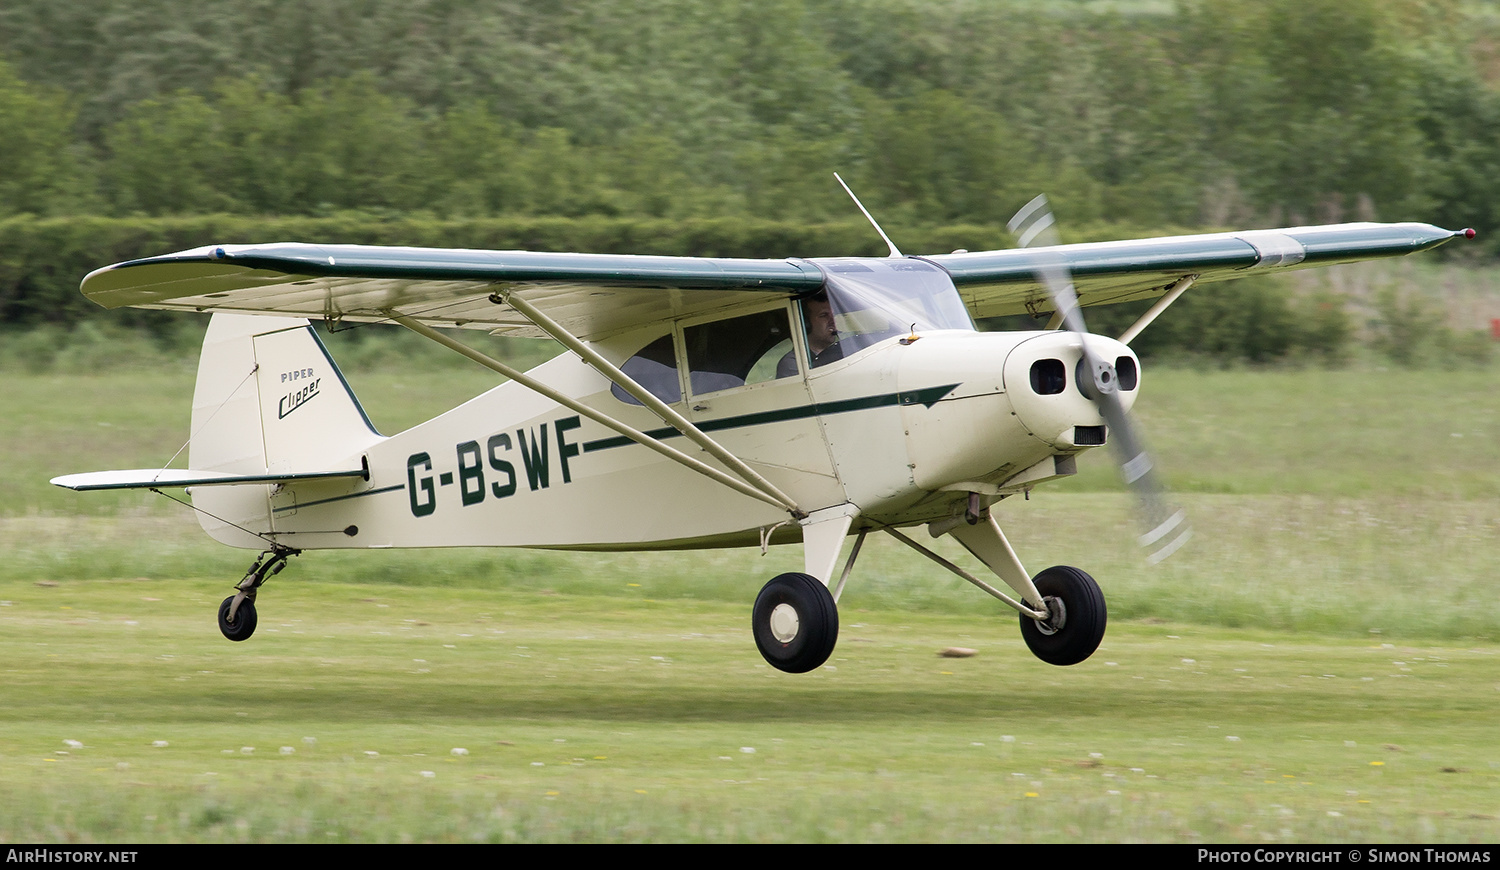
{"points": [[237, 612], [1062, 609]]}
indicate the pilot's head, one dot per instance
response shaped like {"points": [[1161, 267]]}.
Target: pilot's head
{"points": [[822, 333]]}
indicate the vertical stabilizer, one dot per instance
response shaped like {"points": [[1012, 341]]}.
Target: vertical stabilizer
{"points": [[268, 399]]}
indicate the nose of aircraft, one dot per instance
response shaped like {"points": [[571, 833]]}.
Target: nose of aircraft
{"points": [[1052, 389]]}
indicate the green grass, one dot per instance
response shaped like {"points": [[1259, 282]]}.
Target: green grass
{"points": [[1336, 613], [1403, 568], [590, 718], [1366, 432]]}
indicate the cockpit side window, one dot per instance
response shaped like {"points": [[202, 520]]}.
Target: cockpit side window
{"points": [[654, 368], [739, 351]]}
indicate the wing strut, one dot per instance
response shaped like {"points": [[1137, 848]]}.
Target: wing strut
{"points": [[657, 406], [597, 416], [1151, 314]]}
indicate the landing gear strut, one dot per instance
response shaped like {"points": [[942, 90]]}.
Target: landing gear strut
{"points": [[237, 612], [1062, 610]]}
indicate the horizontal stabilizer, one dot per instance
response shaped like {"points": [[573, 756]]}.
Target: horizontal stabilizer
{"points": [[158, 478]]}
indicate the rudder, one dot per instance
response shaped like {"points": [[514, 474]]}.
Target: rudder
{"points": [[268, 399]]}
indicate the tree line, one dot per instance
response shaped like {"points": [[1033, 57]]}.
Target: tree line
{"points": [[713, 127], [938, 111]]}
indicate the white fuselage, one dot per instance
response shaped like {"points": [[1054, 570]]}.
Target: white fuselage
{"points": [[902, 430]]}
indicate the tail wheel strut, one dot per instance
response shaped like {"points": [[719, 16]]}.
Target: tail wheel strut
{"points": [[237, 617]]}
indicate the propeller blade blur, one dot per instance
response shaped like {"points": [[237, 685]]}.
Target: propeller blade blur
{"points": [[1167, 528]]}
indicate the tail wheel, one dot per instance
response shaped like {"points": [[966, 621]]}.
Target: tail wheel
{"points": [[1076, 616], [244, 619], [796, 623]]}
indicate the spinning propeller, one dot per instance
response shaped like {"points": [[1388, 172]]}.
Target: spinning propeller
{"points": [[1167, 528]]}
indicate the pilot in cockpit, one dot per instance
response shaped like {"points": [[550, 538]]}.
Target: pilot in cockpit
{"points": [[822, 336]]}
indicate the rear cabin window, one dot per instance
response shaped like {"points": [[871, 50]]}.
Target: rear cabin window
{"points": [[654, 368]]}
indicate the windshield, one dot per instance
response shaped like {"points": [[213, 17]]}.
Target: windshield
{"points": [[872, 300]]}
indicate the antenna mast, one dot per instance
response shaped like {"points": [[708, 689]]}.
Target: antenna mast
{"points": [[888, 243]]}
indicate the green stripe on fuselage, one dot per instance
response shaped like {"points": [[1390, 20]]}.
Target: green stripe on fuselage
{"points": [[928, 397]]}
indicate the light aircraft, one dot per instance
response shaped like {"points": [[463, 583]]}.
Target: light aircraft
{"points": [[702, 402]]}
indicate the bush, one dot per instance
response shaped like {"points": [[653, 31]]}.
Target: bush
{"points": [[1405, 326]]}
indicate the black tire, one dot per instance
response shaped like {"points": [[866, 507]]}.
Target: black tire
{"points": [[801, 636], [244, 620], [1081, 613]]}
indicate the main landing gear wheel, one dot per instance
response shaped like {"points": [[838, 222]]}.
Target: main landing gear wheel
{"points": [[244, 619], [796, 623], [1075, 624]]}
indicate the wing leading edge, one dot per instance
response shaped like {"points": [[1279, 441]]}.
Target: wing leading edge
{"points": [[995, 283], [596, 295], [593, 295]]}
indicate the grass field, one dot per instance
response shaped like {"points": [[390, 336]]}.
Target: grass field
{"points": [[609, 718], [1320, 664]]}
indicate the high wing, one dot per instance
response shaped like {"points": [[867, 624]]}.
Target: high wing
{"points": [[593, 296], [995, 283]]}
